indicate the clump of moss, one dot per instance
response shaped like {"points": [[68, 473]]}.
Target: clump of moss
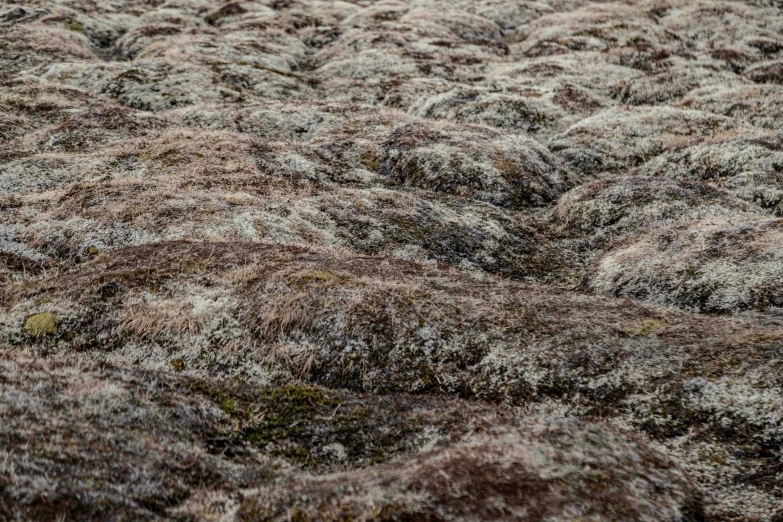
{"points": [[75, 27], [135, 75], [40, 325], [645, 327], [287, 415], [300, 423]]}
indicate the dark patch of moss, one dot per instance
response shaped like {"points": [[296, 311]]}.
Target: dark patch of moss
{"points": [[178, 365], [283, 411], [297, 423]]}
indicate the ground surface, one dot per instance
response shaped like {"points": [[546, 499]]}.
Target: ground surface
{"points": [[422, 260]]}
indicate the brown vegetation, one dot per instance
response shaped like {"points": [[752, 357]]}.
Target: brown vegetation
{"points": [[391, 260]]}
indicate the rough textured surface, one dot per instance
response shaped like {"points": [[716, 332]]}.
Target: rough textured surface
{"points": [[391, 260]]}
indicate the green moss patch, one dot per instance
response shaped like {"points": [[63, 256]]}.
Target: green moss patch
{"points": [[301, 423], [76, 27], [43, 324]]}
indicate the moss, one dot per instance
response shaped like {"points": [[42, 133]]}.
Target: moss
{"points": [[672, 417], [76, 27], [178, 365], [596, 480], [523, 191], [643, 327], [286, 413], [135, 75], [310, 81], [40, 325], [370, 161], [296, 423]]}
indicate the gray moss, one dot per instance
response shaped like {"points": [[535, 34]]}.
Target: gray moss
{"points": [[301, 259]]}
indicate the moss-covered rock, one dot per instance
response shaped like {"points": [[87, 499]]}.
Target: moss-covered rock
{"points": [[41, 324]]}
